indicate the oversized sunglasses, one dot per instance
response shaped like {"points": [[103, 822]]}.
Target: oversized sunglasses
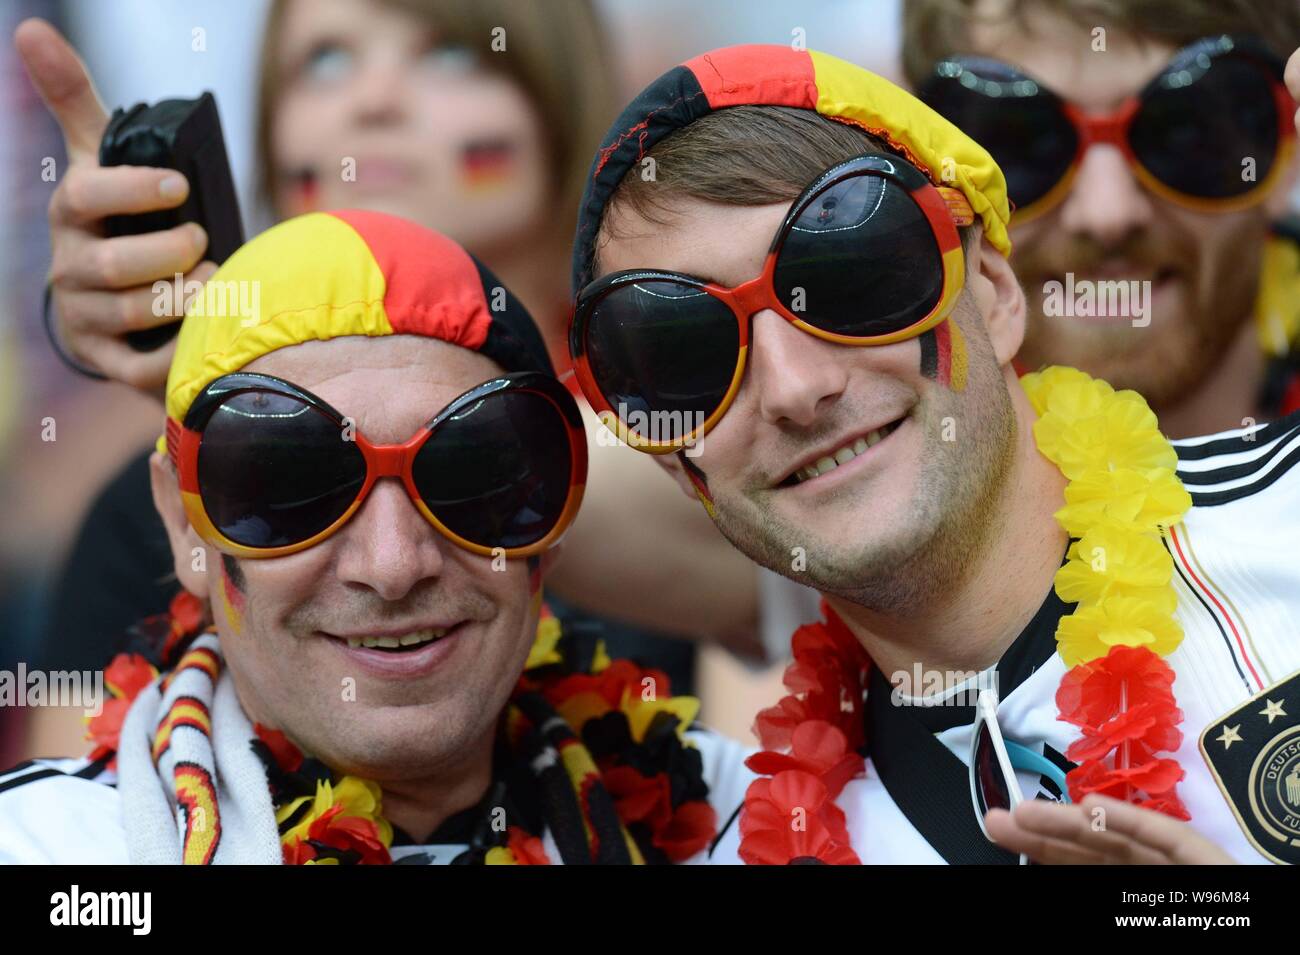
{"points": [[1211, 132], [868, 254], [267, 468], [994, 761]]}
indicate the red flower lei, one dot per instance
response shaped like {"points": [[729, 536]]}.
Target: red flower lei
{"points": [[812, 740]]}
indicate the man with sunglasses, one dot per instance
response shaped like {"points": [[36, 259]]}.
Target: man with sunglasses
{"points": [[363, 478], [1150, 160], [793, 287]]}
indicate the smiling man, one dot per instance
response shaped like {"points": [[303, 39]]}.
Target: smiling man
{"points": [[1150, 160], [809, 267], [362, 485]]}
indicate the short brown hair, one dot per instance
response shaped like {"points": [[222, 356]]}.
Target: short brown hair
{"points": [[934, 29], [557, 55], [743, 156]]}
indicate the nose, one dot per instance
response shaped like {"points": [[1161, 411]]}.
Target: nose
{"points": [[388, 547], [379, 91], [789, 372], [1106, 202]]}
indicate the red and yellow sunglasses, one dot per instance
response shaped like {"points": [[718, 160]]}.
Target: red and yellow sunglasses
{"points": [[868, 254], [1211, 132], [267, 468]]}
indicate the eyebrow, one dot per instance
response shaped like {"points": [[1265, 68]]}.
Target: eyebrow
{"points": [[694, 276]]}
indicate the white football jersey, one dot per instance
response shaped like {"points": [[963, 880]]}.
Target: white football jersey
{"points": [[69, 811]]}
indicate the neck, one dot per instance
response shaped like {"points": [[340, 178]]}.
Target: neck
{"points": [[1226, 397], [419, 806], [968, 624]]}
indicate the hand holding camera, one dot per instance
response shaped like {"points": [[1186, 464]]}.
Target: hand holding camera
{"points": [[104, 264]]}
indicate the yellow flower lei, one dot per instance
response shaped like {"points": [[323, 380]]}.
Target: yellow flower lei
{"points": [[1123, 488]]}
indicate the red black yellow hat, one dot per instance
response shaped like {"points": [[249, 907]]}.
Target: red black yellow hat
{"points": [[351, 272], [804, 79]]}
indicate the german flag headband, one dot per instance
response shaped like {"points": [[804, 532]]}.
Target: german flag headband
{"points": [[351, 272], [803, 79]]}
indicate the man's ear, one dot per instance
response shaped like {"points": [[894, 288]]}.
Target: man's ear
{"points": [[190, 554], [1000, 300], [548, 559]]}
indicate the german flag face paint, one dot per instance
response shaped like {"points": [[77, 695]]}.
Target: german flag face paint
{"points": [[232, 593], [488, 164], [943, 355], [701, 484]]}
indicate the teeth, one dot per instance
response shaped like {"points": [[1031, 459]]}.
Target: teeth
{"points": [[406, 640], [843, 456]]}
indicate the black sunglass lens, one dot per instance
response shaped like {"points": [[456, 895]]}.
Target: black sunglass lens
{"points": [[497, 473], [860, 259], [1022, 125], [663, 354], [1209, 129], [991, 789], [274, 471]]}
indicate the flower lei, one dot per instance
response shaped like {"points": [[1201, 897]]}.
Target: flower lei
{"points": [[627, 741], [1123, 489]]}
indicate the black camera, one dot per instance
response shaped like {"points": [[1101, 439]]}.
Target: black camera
{"points": [[185, 135]]}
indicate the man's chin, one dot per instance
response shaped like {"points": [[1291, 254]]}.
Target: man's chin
{"points": [[1153, 360], [386, 743]]}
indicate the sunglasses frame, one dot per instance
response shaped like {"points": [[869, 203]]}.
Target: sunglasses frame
{"points": [[986, 714], [1113, 128], [944, 207], [382, 460]]}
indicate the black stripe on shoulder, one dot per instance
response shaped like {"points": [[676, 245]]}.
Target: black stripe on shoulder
{"points": [[31, 777], [1215, 498], [25, 764], [1233, 472], [94, 768], [18, 775], [1231, 445]]}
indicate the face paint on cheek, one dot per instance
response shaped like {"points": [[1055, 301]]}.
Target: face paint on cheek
{"points": [[535, 583], [232, 592], [943, 355], [487, 164], [701, 484]]}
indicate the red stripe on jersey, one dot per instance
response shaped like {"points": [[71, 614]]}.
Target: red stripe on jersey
{"points": [[1241, 647]]}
